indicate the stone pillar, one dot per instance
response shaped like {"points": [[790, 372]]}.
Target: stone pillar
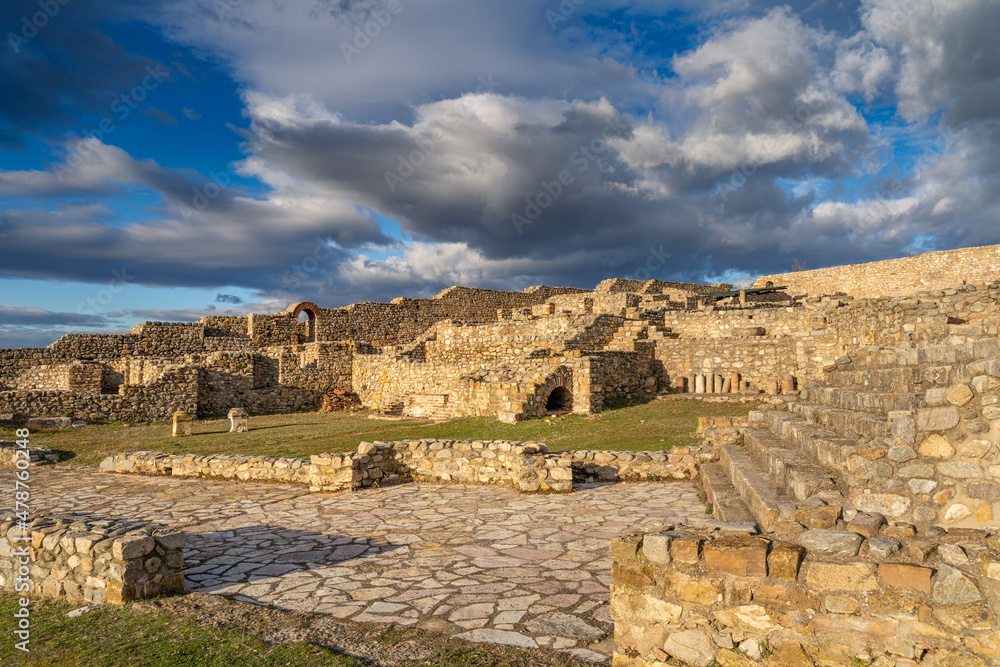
{"points": [[239, 421], [772, 386], [699, 384], [679, 383], [691, 381], [735, 383], [787, 384], [727, 386], [743, 296], [182, 424], [719, 384]]}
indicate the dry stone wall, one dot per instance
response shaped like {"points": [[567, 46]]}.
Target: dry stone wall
{"points": [[896, 277], [826, 597], [85, 560], [11, 453], [526, 466]]}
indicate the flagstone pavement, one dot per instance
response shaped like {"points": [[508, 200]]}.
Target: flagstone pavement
{"points": [[481, 562]]}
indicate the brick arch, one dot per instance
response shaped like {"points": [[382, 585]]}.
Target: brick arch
{"points": [[304, 306]]}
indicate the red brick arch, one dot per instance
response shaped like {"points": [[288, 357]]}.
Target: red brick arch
{"points": [[304, 306]]}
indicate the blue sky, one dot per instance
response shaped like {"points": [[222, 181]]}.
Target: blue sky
{"points": [[171, 160]]}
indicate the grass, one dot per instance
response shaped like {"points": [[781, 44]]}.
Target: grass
{"points": [[180, 631], [657, 425], [110, 637]]}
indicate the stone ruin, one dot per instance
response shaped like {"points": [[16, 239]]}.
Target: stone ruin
{"points": [[855, 522]]}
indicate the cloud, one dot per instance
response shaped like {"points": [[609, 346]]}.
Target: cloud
{"points": [[228, 298], [160, 115], [190, 113], [20, 315]]}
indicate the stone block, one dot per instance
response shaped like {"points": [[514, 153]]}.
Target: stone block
{"points": [[784, 560], [182, 424], [739, 555], [686, 549], [239, 420], [903, 575], [841, 577]]}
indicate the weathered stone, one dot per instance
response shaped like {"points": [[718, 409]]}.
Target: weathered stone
{"points": [[740, 555], [656, 548], [959, 394], [983, 490], [901, 453], [882, 547], [936, 446], [784, 560], [866, 524], [692, 646], [752, 618], [837, 577], [640, 607], [830, 543], [906, 576], [686, 549], [937, 419], [886, 504], [818, 516], [959, 470], [953, 586], [957, 512]]}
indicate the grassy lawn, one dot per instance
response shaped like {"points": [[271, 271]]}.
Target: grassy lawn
{"points": [[194, 630], [657, 425]]}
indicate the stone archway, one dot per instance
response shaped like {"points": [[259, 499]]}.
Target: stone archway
{"points": [[560, 400], [312, 311]]}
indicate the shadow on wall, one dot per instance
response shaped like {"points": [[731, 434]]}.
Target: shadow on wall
{"points": [[560, 400]]}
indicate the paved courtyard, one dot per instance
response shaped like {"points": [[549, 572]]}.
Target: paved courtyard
{"points": [[481, 562]]}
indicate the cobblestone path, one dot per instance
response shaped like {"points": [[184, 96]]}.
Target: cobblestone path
{"points": [[481, 562]]}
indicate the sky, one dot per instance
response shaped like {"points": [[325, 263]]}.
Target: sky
{"points": [[169, 160]]}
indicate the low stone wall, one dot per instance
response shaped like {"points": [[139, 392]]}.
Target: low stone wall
{"points": [[10, 453], [526, 466], [824, 597], [82, 559]]}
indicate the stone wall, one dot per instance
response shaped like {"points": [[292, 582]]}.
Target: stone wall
{"points": [[826, 597], [11, 452], [526, 466], [85, 560], [896, 277]]}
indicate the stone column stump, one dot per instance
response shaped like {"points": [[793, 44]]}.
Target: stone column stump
{"points": [[239, 421], [182, 424]]}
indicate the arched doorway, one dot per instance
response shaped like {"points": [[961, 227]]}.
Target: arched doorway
{"points": [[560, 400], [306, 313]]}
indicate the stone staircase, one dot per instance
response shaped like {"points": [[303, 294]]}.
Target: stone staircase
{"points": [[435, 407], [854, 439], [634, 331]]}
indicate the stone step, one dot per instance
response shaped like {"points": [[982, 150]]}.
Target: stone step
{"points": [[850, 424], [788, 468], [878, 402], [891, 380], [755, 488], [822, 446], [722, 496], [930, 355]]}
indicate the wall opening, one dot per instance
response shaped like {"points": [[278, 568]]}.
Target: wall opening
{"points": [[560, 400], [308, 318]]}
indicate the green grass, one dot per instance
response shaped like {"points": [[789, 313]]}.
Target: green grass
{"points": [[183, 632], [657, 425], [110, 637]]}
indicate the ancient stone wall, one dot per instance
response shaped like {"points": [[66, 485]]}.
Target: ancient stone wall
{"points": [[85, 560], [829, 597], [896, 277], [526, 466], [11, 453]]}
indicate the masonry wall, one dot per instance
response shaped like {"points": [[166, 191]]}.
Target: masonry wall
{"points": [[822, 597], [86, 560], [896, 277]]}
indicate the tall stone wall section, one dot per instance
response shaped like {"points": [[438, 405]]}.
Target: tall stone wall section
{"points": [[896, 277]]}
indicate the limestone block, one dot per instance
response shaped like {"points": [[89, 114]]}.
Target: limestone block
{"points": [[182, 424], [239, 420]]}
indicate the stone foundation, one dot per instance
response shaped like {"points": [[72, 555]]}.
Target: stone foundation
{"points": [[526, 466], [85, 560]]}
